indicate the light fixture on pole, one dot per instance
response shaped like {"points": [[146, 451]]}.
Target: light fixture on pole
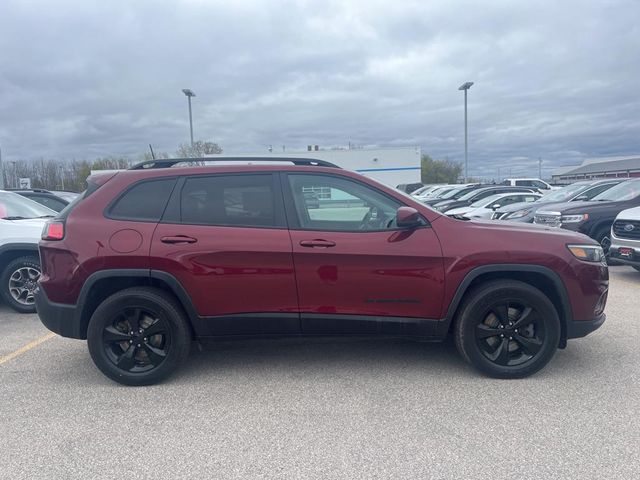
{"points": [[189, 93], [465, 86]]}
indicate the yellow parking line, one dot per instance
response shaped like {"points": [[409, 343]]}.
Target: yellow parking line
{"points": [[27, 347]]}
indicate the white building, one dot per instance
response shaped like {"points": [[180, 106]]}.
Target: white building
{"points": [[391, 166]]}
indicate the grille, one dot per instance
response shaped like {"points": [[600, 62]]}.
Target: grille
{"points": [[546, 219], [627, 229]]}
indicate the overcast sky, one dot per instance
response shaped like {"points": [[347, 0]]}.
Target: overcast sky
{"points": [[557, 80]]}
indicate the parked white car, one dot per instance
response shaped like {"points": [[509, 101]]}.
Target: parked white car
{"points": [[21, 224], [625, 238], [529, 182], [484, 208]]}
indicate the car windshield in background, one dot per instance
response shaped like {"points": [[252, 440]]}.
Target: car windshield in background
{"points": [[620, 193], [14, 206], [452, 193], [486, 200], [565, 193], [471, 194]]}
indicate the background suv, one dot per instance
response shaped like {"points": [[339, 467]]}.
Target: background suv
{"points": [[576, 192], [595, 217], [153, 257], [625, 238], [21, 223]]}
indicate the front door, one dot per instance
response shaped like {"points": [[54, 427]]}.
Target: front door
{"points": [[356, 271], [223, 237]]}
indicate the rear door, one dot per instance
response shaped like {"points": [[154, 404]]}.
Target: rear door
{"points": [[356, 271], [223, 237]]}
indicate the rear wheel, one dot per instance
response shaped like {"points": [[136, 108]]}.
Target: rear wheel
{"points": [[507, 329], [19, 281], [138, 336]]}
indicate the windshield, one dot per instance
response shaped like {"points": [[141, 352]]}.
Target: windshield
{"points": [[565, 193], [619, 193], [487, 200], [471, 194], [453, 193], [14, 206]]}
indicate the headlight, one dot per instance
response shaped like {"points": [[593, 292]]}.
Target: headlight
{"points": [[516, 214], [574, 218], [588, 253]]}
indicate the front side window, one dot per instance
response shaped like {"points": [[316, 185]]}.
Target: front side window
{"points": [[230, 200], [347, 206]]}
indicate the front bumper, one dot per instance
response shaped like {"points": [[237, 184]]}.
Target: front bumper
{"points": [[633, 258], [582, 328], [57, 317]]}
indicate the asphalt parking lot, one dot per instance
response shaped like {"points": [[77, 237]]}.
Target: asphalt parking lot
{"points": [[325, 409]]}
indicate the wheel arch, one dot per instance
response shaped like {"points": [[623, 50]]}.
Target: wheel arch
{"points": [[540, 277], [15, 250], [105, 283]]}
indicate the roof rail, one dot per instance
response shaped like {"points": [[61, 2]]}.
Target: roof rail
{"points": [[170, 162]]}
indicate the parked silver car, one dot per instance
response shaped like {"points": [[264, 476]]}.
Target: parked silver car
{"points": [[625, 238]]}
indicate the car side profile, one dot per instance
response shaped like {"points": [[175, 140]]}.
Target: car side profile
{"points": [[149, 259], [485, 207]]}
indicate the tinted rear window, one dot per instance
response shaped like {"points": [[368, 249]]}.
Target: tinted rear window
{"points": [[233, 200], [144, 201]]}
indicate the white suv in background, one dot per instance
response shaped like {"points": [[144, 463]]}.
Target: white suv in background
{"points": [[21, 223], [529, 182], [625, 238]]}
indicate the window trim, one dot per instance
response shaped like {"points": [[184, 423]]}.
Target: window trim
{"points": [[173, 210], [107, 211], [292, 215]]}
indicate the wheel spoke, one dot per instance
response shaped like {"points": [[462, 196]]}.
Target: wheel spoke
{"points": [[502, 312], [530, 346], [126, 361], [525, 318], [154, 329], [112, 335], [501, 354], [133, 317], [483, 331], [155, 354]]}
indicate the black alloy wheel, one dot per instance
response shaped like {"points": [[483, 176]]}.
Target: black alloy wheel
{"points": [[136, 341], [510, 334], [139, 336], [507, 329]]}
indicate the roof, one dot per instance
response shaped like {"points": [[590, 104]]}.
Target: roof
{"points": [[606, 165]]}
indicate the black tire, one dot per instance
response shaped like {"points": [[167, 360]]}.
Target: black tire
{"points": [[151, 310], [603, 237], [482, 324], [18, 282]]}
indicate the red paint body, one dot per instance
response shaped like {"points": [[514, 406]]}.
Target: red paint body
{"points": [[237, 270]]}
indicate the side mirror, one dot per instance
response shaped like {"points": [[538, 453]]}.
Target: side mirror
{"points": [[407, 217], [495, 206]]}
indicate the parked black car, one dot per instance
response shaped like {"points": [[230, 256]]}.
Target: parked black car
{"points": [[580, 191], [478, 194], [44, 197], [592, 218]]}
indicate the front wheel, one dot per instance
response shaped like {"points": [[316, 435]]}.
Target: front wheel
{"points": [[138, 336], [507, 329], [18, 282]]}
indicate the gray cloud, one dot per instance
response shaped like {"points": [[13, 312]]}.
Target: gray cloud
{"points": [[555, 80]]}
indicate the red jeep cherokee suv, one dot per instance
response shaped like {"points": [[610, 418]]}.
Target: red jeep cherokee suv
{"points": [[151, 258]]}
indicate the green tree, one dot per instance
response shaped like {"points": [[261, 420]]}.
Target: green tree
{"points": [[439, 171]]}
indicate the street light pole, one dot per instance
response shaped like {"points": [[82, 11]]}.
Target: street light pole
{"points": [[189, 93], [465, 86]]}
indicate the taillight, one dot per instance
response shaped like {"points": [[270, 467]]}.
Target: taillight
{"points": [[53, 231]]}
